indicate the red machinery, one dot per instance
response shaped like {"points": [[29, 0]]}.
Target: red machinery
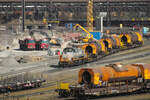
{"points": [[42, 44], [27, 44]]}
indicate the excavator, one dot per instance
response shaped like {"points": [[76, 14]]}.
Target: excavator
{"points": [[88, 37]]}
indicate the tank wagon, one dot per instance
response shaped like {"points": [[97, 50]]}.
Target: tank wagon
{"points": [[108, 80], [96, 50]]}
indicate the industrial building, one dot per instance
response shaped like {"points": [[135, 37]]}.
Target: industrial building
{"points": [[74, 11]]}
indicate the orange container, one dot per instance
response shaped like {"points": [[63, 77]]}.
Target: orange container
{"points": [[94, 48], [113, 72]]}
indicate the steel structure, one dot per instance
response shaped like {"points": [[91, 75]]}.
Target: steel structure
{"points": [[55, 9], [69, 1], [90, 15]]}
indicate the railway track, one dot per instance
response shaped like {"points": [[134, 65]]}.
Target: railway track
{"points": [[46, 88], [50, 87]]}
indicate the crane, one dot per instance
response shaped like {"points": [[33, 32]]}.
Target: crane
{"points": [[89, 35], [90, 15], [89, 22]]}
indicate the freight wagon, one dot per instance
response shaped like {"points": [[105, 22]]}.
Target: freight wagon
{"points": [[108, 80], [95, 50], [11, 87]]}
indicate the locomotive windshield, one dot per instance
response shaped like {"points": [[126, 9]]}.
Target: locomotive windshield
{"points": [[68, 50]]}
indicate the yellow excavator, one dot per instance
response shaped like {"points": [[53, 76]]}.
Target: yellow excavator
{"points": [[88, 37]]}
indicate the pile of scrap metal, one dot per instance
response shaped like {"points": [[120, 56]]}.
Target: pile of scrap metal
{"points": [[108, 80], [10, 87]]}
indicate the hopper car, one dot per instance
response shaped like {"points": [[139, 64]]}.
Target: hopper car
{"points": [[111, 79], [95, 50]]}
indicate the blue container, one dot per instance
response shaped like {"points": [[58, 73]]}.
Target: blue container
{"points": [[69, 26], [97, 35]]}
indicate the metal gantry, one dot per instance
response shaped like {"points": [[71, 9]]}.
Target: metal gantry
{"points": [[55, 8]]}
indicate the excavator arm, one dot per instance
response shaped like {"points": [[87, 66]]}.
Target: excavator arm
{"points": [[89, 35]]}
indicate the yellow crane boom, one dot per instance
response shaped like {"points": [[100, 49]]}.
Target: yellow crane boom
{"points": [[89, 36], [90, 16]]}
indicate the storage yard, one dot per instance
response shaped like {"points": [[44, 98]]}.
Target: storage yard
{"points": [[74, 49]]}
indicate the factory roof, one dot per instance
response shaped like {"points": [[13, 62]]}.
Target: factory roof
{"points": [[74, 0]]}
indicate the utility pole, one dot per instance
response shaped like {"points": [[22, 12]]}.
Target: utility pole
{"points": [[23, 10], [102, 15]]}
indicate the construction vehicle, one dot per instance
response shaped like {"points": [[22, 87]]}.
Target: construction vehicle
{"points": [[42, 44], [54, 41], [27, 44], [88, 37]]}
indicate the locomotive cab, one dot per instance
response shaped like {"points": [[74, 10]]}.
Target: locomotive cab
{"points": [[71, 56]]}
